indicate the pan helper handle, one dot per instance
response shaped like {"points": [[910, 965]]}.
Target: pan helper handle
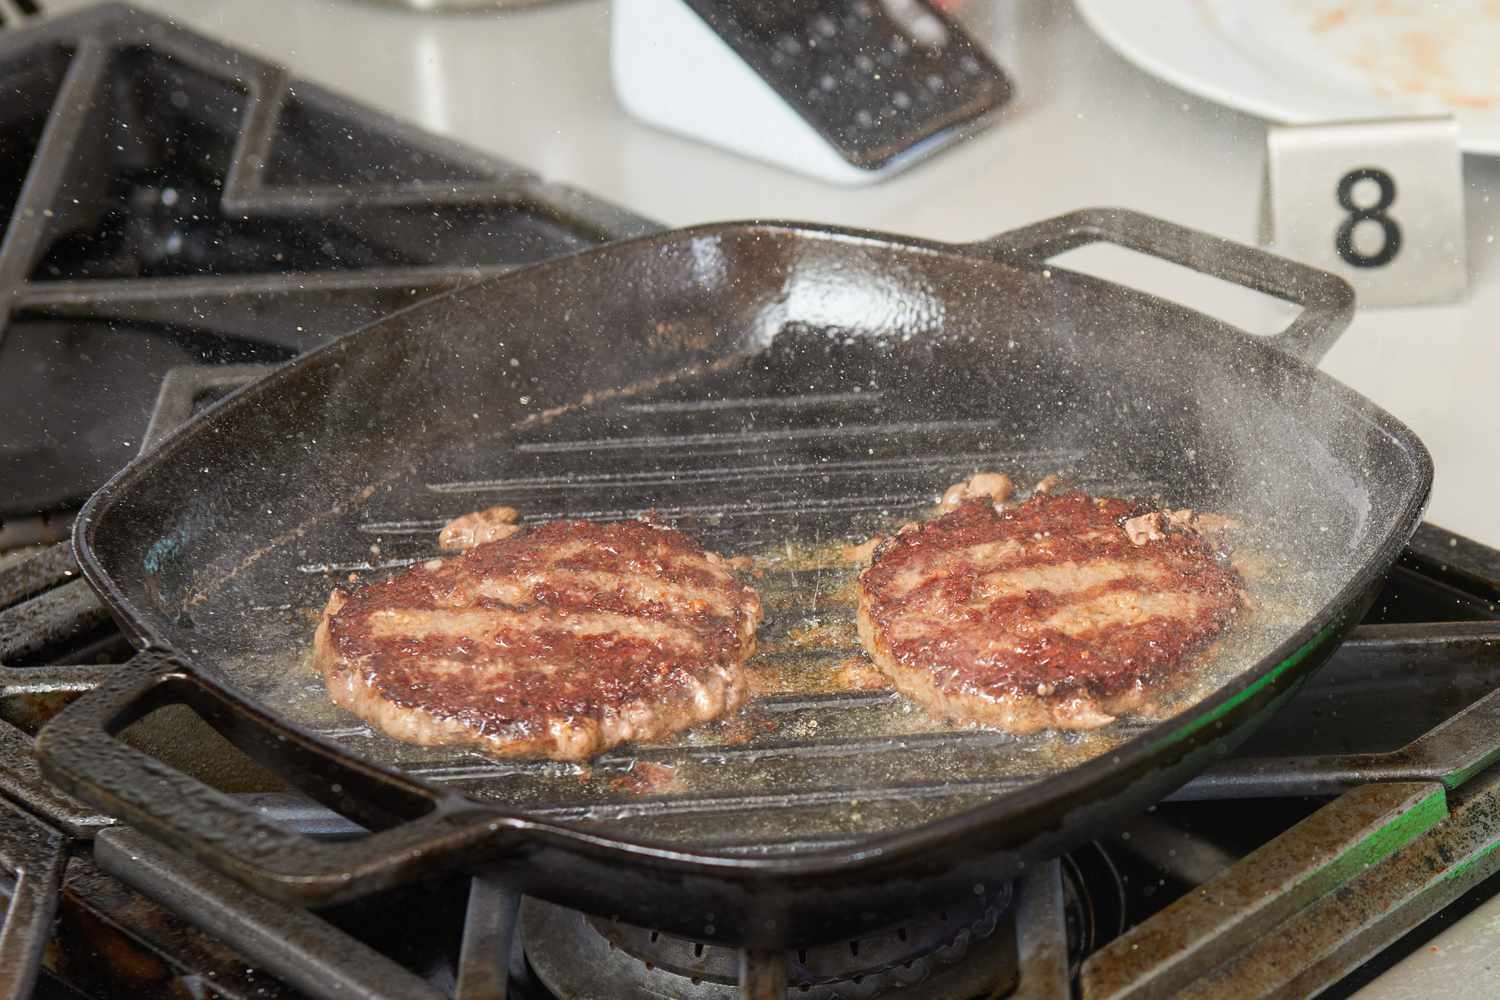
{"points": [[419, 829], [1327, 300]]}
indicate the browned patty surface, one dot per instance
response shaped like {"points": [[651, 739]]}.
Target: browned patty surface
{"points": [[1044, 615], [560, 641]]}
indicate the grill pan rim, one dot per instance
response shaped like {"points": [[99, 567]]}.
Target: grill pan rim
{"points": [[987, 821]]}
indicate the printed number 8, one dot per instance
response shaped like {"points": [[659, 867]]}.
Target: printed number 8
{"points": [[1374, 213]]}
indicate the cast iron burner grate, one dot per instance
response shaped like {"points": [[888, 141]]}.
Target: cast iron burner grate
{"points": [[172, 201], [955, 952]]}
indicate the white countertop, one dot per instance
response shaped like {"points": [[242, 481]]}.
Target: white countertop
{"points": [[1084, 129]]}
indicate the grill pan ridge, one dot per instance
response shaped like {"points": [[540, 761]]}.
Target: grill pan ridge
{"points": [[789, 388]]}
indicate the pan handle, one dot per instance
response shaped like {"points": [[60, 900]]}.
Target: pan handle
{"points": [[419, 829], [1327, 300]]}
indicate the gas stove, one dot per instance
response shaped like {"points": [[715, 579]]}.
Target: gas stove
{"points": [[221, 223], [1367, 806]]}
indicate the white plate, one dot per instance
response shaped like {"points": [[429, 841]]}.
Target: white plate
{"points": [[1305, 61]]}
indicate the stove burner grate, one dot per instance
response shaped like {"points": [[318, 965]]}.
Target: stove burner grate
{"points": [[167, 200], [957, 953]]}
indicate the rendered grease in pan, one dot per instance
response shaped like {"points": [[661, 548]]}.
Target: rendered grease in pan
{"points": [[814, 752], [809, 735], [832, 752]]}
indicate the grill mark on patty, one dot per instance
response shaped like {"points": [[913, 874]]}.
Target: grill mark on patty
{"points": [[503, 627], [1064, 578], [530, 700], [642, 589], [1108, 675], [1000, 556], [1021, 608], [1068, 579], [696, 571], [627, 558], [1091, 614], [1105, 611]]}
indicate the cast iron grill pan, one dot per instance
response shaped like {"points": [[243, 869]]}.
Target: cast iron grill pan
{"points": [[778, 391]]}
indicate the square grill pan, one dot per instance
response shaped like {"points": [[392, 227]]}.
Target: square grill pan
{"points": [[779, 391]]}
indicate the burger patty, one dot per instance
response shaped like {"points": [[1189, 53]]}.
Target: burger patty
{"points": [[557, 641], [1062, 612]]}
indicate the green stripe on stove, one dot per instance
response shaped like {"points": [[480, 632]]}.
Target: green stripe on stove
{"points": [[1391, 837]]}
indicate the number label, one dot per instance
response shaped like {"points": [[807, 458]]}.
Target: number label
{"points": [[1380, 203], [1344, 241]]}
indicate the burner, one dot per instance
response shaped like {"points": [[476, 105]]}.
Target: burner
{"points": [[1094, 900], [963, 952]]}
